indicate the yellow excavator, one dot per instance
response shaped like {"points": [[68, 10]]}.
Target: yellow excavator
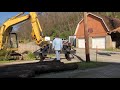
{"points": [[6, 42], [37, 34]]}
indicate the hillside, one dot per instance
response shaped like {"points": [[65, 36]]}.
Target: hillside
{"points": [[63, 23]]}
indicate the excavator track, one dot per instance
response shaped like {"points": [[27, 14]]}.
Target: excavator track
{"points": [[15, 56]]}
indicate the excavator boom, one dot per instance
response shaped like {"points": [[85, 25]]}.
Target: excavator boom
{"points": [[37, 34]]}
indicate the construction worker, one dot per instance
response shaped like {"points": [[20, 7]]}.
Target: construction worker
{"points": [[57, 46]]}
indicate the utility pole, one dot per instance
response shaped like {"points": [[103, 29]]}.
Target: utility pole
{"points": [[86, 38]]}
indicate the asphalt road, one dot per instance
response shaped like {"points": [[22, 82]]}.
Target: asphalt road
{"points": [[102, 56], [109, 71]]}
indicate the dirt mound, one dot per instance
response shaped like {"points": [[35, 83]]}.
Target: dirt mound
{"points": [[28, 47]]}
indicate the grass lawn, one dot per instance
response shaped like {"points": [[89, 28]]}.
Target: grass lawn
{"points": [[51, 55], [9, 61], [110, 49], [29, 57], [88, 65], [6, 61]]}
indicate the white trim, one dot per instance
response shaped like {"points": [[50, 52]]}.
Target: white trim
{"points": [[95, 16], [77, 28]]}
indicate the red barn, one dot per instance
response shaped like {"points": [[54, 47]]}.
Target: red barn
{"points": [[98, 33]]}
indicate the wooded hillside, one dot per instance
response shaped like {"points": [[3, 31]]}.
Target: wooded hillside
{"points": [[62, 23]]}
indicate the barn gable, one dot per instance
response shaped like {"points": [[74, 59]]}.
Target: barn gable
{"points": [[96, 18], [97, 30]]}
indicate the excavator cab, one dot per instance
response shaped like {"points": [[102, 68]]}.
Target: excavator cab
{"points": [[13, 41], [12, 45]]}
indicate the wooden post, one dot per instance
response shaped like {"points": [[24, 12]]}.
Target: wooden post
{"points": [[96, 53], [86, 38]]}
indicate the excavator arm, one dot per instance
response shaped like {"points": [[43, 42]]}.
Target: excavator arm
{"points": [[5, 29], [37, 34]]}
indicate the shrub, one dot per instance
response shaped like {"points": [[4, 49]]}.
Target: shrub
{"points": [[4, 55], [30, 56]]}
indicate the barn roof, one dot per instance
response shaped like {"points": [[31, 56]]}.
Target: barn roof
{"points": [[115, 24], [112, 24]]}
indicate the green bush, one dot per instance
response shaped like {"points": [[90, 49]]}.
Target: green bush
{"points": [[51, 55], [4, 55], [30, 56], [3, 52]]}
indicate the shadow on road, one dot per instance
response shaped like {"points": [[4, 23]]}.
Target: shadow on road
{"points": [[78, 57], [72, 56], [107, 54]]}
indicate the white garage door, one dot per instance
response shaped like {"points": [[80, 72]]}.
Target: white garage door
{"points": [[99, 42], [81, 43]]}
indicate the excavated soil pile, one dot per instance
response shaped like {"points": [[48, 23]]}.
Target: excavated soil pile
{"points": [[30, 70]]}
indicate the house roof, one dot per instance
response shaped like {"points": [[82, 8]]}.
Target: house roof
{"points": [[109, 22]]}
